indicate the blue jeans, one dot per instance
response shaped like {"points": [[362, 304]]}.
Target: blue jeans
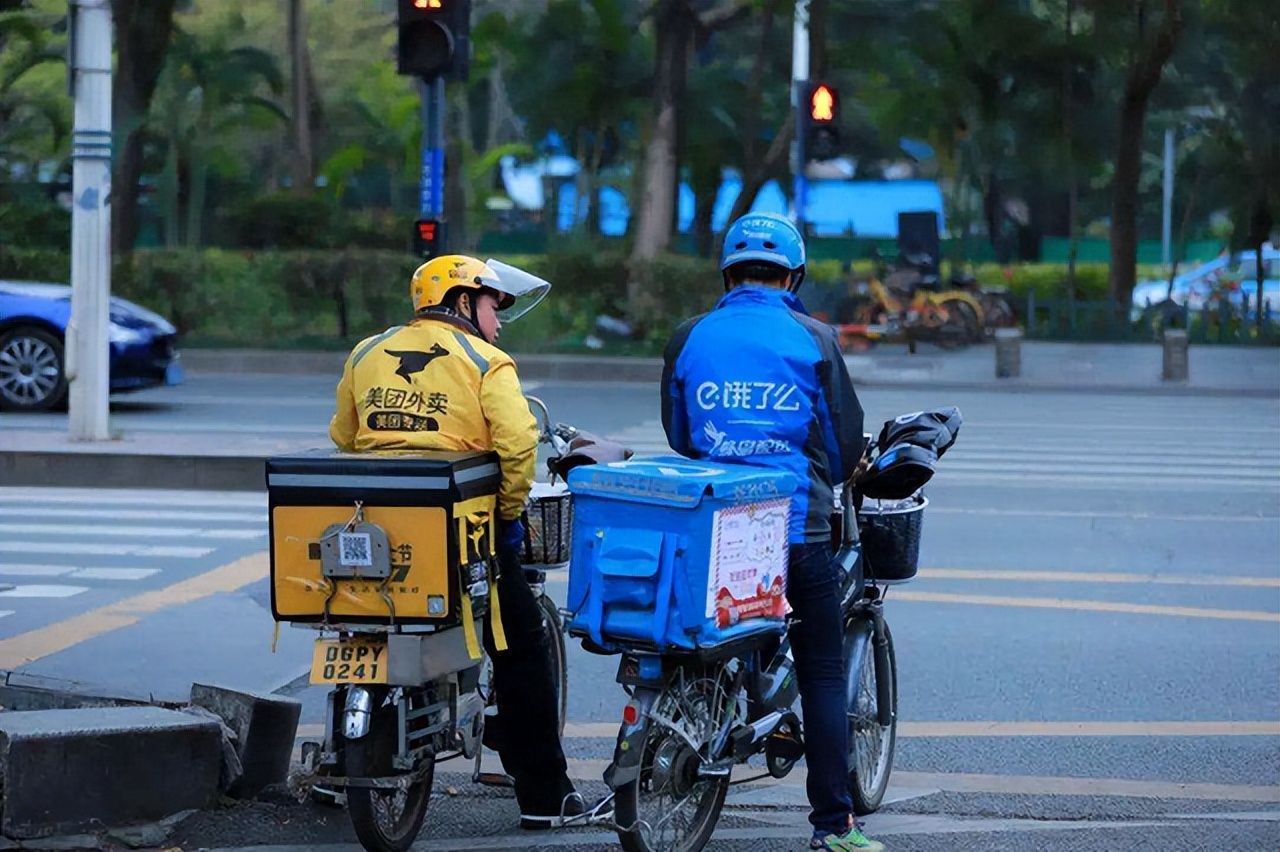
{"points": [[817, 640]]}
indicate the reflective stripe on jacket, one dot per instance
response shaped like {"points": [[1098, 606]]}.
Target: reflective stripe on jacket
{"points": [[429, 385], [759, 381]]}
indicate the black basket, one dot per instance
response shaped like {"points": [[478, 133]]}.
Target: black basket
{"points": [[548, 526], [890, 535]]}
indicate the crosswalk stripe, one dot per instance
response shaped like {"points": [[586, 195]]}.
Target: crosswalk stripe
{"points": [[35, 570], [142, 532], [135, 514], [37, 591], [119, 497], [103, 549], [114, 573]]}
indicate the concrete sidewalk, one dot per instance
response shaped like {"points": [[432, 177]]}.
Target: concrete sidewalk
{"points": [[209, 461]]}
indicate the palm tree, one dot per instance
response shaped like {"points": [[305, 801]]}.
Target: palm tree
{"points": [[207, 88]]}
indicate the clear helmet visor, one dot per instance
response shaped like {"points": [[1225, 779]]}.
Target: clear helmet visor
{"points": [[526, 290]]}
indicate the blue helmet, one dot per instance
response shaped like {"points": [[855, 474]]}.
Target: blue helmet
{"points": [[765, 237]]}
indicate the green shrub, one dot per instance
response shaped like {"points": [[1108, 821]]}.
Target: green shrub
{"points": [[34, 264]]}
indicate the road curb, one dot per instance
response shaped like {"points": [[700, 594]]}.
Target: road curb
{"points": [[614, 369]]}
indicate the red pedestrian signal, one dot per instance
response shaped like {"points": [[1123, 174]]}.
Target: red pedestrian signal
{"points": [[428, 238], [821, 122], [822, 104]]}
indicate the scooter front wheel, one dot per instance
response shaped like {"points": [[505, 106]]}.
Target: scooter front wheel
{"points": [[385, 819], [871, 743]]}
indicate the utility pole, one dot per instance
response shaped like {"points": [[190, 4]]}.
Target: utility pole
{"points": [[431, 186], [799, 95], [88, 356], [1166, 232]]}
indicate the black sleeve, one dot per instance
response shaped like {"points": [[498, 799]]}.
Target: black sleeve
{"points": [[842, 401], [674, 421], [846, 411]]}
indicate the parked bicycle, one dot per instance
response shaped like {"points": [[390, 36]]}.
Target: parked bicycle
{"points": [[705, 660], [906, 304]]}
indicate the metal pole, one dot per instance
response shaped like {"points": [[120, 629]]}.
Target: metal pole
{"points": [[799, 74], [88, 355], [431, 185], [1167, 230]]}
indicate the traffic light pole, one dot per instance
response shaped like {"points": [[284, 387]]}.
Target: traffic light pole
{"points": [[87, 342], [431, 188], [799, 90]]}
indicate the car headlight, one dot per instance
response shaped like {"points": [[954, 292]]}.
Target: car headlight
{"points": [[124, 335]]}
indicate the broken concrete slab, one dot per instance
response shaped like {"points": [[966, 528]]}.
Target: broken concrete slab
{"points": [[265, 728], [67, 771]]}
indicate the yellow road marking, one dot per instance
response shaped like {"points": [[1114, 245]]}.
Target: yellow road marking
{"points": [[1086, 577], [19, 650], [1095, 606], [1232, 728]]}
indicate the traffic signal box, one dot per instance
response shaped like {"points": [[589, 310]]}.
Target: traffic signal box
{"points": [[434, 38], [428, 238], [821, 116]]}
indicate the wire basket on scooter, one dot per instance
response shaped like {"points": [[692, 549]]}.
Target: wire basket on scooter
{"points": [[890, 535], [548, 526]]}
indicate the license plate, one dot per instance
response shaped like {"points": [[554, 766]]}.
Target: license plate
{"points": [[173, 374], [349, 661]]}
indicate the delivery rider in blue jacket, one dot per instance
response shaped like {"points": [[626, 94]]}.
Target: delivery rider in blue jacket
{"points": [[758, 381], [438, 382]]}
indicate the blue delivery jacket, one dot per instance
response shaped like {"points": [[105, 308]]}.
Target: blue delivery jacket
{"points": [[759, 381]]}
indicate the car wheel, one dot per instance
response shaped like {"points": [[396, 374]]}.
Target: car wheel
{"points": [[32, 377]]}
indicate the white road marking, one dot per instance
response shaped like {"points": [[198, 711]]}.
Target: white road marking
{"points": [[103, 549], [122, 530], [44, 512], [43, 591], [4, 612], [114, 573], [36, 570], [125, 497]]}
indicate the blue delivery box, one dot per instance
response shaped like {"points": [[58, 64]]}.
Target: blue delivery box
{"points": [[673, 554]]}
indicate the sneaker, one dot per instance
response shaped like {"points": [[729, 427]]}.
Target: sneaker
{"points": [[573, 812], [852, 840]]}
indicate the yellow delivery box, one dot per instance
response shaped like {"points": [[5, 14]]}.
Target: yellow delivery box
{"points": [[379, 538]]}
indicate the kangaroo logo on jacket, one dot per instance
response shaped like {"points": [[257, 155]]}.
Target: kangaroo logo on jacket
{"points": [[415, 362]]}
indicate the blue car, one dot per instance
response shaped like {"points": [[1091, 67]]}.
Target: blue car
{"points": [[33, 328]]}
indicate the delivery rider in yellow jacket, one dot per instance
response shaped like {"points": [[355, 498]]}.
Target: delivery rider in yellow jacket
{"points": [[439, 383]]}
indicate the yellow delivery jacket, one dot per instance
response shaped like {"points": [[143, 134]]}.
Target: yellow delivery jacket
{"points": [[429, 385]]}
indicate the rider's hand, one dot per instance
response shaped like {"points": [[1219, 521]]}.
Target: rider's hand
{"points": [[511, 534]]}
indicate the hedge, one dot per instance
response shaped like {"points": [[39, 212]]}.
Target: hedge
{"points": [[332, 298]]}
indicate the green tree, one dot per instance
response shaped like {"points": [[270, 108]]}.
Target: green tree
{"points": [[143, 30], [210, 88], [1151, 32]]}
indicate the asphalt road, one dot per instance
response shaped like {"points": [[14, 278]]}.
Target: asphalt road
{"points": [[1089, 658]]}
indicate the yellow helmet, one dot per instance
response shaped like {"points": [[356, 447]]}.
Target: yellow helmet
{"points": [[518, 291], [433, 280]]}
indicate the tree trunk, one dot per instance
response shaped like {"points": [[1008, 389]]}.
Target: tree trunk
{"points": [[759, 171], [1144, 74], [1073, 185], [675, 28], [755, 169], [143, 30], [303, 164]]}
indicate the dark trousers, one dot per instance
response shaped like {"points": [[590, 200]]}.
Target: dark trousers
{"points": [[817, 640], [528, 735]]}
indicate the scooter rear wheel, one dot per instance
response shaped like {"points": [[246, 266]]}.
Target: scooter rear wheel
{"points": [[385, 820]]}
